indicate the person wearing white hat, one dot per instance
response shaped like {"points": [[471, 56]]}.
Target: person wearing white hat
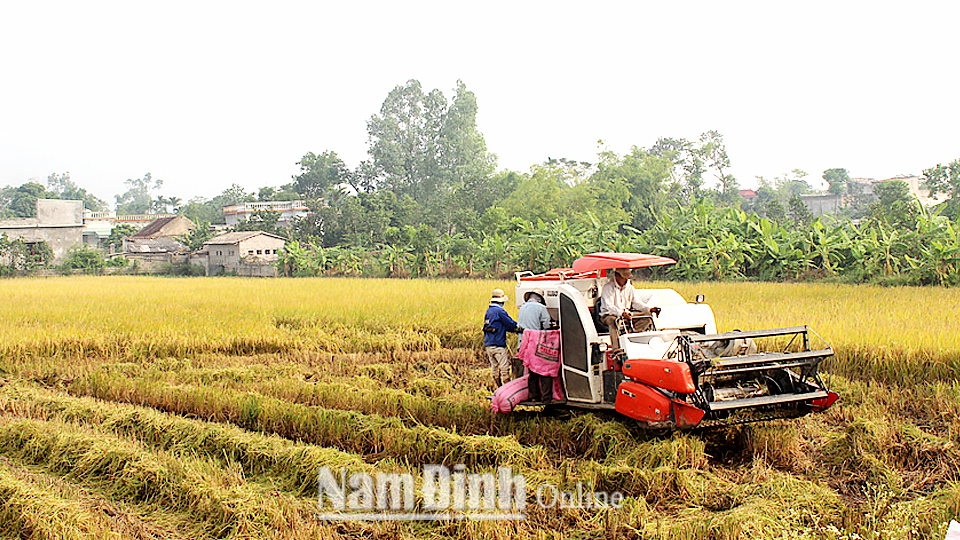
{"points": [[533, 314], [496, 323], [618, 298]]}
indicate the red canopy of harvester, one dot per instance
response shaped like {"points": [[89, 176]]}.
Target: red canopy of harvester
{"points": [[606, 261]]}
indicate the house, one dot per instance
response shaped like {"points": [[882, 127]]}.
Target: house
{"points": [[59, 223], [914, 185], [97, 226], [245, 253], [150, 253], [156, 243], [287, 210], [824, 203]]}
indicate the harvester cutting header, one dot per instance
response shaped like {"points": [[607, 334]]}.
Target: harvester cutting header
{"points": [[664, 364]]}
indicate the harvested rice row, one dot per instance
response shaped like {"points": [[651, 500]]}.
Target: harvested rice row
{"points": [[38, 505], [294, 465], [660, 483], [223, 502], [586, 436], [371, 435], [31, 511]]}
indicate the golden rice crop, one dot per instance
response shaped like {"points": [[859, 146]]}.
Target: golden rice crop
{"points": [[894, 333], [244, 387]]}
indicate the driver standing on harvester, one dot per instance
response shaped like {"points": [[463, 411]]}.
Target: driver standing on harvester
{"points": [[618, 298]]}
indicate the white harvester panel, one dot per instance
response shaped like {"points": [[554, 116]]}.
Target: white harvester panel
{"points": [[578, 337]]}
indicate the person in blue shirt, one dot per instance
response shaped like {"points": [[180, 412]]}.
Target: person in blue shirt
{"points": [[496, 324]]}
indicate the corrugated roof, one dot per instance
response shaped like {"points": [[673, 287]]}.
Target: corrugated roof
{"points": [[168, 226]]}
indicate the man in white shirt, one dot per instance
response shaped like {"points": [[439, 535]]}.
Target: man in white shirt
{"points": [[618, 298]]}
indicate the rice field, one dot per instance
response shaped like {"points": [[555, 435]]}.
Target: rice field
{"points": [[139, 407]]}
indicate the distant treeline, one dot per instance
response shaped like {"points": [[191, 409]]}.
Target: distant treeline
{"points": [[429, 201]]}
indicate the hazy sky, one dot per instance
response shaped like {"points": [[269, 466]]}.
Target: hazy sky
{"points": [[203, 94]]}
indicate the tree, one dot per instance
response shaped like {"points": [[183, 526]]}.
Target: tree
{"points": [[283, 193], [837, 180], [166, 205], [895, 206], [644, 174], [713, 153], [21, 202], [195, 239], [17, 256], [404, 142], [792, 183], [321, 175], [119, 232], [798, 212], [463, 152], [61, 187], [199, 210], [945, 179], [481, 193], [233, 195], [263, 220], [138, 198], [537, 196], [687, 166], [85, 258]]}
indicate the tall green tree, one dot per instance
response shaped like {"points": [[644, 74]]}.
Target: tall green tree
{"points": [[405, 142], [321, 175], [21, 202], [138, 199], [945, 179], [233, 195], [117, 234], [895, 206], [687, 169], [713, 153], [837, 179], [644, 174], [463, 151], [792, 183], [62, 187]]}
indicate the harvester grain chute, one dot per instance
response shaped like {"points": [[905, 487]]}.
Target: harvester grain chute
{"points": [[679, 373]]}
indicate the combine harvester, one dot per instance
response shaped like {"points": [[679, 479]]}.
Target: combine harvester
{"points": [[682, 373]]}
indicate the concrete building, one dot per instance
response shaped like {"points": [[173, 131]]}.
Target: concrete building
{"points": [[922, 195], [826, 203], [59, 223], [97, 227], [235, 213], [246, 253], [861, 191]]}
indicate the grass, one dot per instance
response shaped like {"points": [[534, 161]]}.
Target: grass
{"points": [[136, 407]]}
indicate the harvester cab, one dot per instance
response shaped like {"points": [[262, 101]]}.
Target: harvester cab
{"points": [[679, 373]]}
